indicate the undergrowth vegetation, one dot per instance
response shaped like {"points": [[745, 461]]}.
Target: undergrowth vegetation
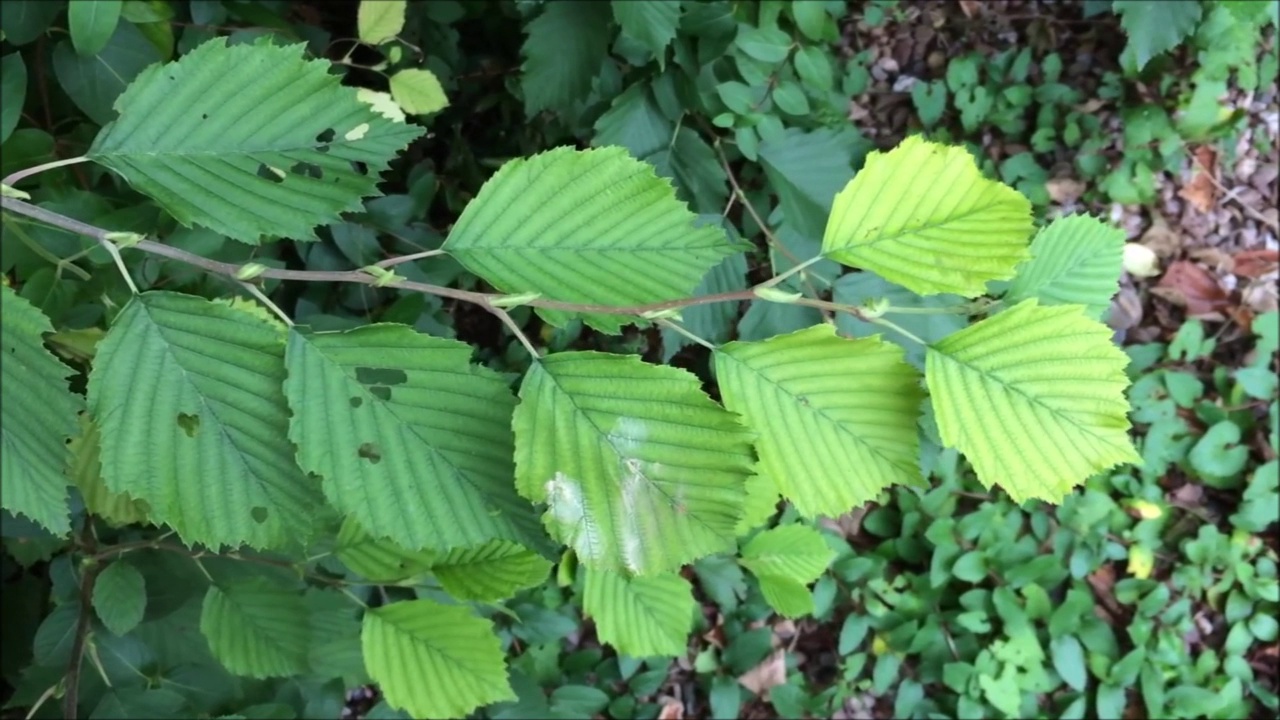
{"points": [[612, 372]]}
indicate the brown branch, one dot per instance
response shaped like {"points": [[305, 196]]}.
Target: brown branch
{"points": [[71, 700], [354, 276]]}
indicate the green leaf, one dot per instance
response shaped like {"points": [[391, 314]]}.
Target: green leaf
{"points": [[86, 474], [434, 660], [737, 96], [1034, 397], [634, 121], [836, 417], [925, 200], [274, 147], [563, 52], [256, 628], [1154, 26], [930, 99], [491, 572], [813, 65], [120, 597], [692, 165], [807, 169], [378, 559], [768, 45], [25, 20], [1218, 457], [585, 226], [411, 439], [640, 470], [1068, 661], [378, 21], [859, 288], [1075, 260], [13, 92], [790, 99], [640, 616], [139, 704], [334, 640], [95, 83], [92, 24], [37, 417], [786, 559], [204, 442], [652, 23], [418, 91]]}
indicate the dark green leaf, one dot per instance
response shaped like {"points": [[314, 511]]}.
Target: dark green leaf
{"points": [[13, 93], [94, 83], [92, 24]]}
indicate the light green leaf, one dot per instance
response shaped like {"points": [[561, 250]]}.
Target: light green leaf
{"points": [[795, 552], [640, 616], [836, 417], [249, 141], [585, 226], [418, 91], [813, 65], [256, 628], [640, 470], [37, 416], [787, 597], [1154, 26], [120, 597], [92, 24], [491, 572], [378, 559], [1034, 397], [434, 660], [761, 503], [117, 509], [411, 439], [563, 52], [204, 441], [94, 83], [1075, 260], [925, 200], [650, 22], [378, 21], [859, 288], [13, 92], [807, 169]]}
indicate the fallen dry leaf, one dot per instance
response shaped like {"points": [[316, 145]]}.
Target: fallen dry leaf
{"points": [[1188, 285], [1126, 310], [671, 711], [1201, 191], [770, 673], [970, 8], [1161, 239], [1253, 264], [1064, 191]]}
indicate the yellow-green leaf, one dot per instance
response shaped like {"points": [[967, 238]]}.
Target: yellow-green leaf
{"points": [[923, 216]]}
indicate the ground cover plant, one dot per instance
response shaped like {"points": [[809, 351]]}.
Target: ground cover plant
{"points": [[600, 379]]}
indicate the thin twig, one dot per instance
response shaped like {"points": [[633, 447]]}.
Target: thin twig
{"points": [[677, 327], [14, 177], [392, 262], [510, 322], [71, 701], [262, 298]]}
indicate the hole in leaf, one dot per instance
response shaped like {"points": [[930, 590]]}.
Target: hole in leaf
{"points": [[381, 392], [266, 172], [259, 514], [360, 167], [357, 401], [369, 452], [381, 376], [189, 423], [308, 169], [204, 116], [322, 148], [326, 136]]}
